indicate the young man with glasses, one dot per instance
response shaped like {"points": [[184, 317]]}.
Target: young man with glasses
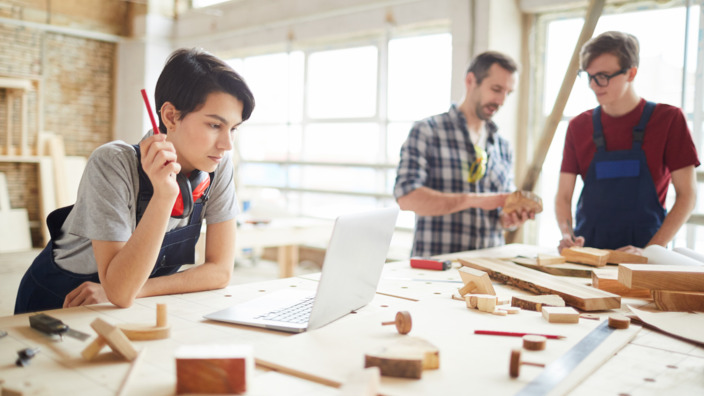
{"points": [[627, 151], [456, 170]]}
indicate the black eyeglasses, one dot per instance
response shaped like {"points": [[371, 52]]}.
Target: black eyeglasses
{"points": [[602, 79]]}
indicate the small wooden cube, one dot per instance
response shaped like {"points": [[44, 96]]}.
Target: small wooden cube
{"points": [[214, 369], [560, 314]]}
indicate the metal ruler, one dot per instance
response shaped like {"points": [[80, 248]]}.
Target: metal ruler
{"points": [[556, 371]]}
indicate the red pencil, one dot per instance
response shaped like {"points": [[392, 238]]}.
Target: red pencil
{"points": [[514, 334], [149, 110]]}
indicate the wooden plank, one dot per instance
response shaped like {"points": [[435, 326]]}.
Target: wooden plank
{"points": [[586, 255], [579, 296], [564, 269], [607, 280], [536, 303], [544, 259], [555, 117], [662, 277], [618, 257], [668, 300]]}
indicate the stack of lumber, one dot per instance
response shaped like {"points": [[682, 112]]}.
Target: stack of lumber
{"points": [[673, 287], [577, 295]]}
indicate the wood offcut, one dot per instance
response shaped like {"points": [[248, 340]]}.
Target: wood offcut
{"points": [[662, 277], [579, 296]]}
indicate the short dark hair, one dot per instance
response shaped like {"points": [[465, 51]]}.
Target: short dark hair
{"points": [[482, 63], [624, 46], [190, 75]]}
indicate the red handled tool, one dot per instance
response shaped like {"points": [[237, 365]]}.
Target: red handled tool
{"points": [[431, 264]]}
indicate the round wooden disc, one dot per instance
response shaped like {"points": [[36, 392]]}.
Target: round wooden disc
{"points": [[619, 322], [403, 322], [534, 342], [514, 367]]}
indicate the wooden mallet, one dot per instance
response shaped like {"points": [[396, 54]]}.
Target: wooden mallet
{"points": [[403, 322], [514, 367]]}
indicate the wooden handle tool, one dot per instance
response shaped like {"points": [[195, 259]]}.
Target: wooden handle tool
{"points": [[403, 322]]}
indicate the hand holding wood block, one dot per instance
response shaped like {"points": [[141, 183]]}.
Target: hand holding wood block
{"points": [[523, 201], [214, 369]]}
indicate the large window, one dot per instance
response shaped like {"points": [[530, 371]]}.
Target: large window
{"points": [[665, 75], [329, 122]]}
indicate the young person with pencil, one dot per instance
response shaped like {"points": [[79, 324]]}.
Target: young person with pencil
{"points": [[139, 209]]}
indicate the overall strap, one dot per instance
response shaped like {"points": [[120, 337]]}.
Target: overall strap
{"points": [[598, 134], [639, 130], [145, 187]]}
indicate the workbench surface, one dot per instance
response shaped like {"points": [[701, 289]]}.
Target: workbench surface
{"points": [[634, 361]]}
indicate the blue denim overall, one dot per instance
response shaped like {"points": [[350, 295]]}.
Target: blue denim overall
{"points": [[45, 284], [619, 205]]}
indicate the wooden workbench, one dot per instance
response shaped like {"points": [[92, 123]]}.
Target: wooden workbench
{"points": [[650, 362]]}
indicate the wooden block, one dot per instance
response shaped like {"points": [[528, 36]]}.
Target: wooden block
{"points": [[364, 382], [510, 310], [544, 259], [586, 255], [475, 282], [619, 322], [563, 269], [535, 303], [560, 314], [580, 296], [395, 362], [618, 257], [405, 358], [94, 348], [472, 300], [486, 303], [519, 201], [662, 277], [115, 338], [214, 369], [26, 387], [607, 280], [146, 332], [534, 342], [431, 354], [668, 300]]}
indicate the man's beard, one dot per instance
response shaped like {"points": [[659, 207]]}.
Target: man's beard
{"points": [[484, 116]]}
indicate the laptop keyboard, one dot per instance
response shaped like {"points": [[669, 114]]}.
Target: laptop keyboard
{"points": [[297, 313]]}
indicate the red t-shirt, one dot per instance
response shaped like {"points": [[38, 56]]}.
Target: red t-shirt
{"points": [[667, 142]]}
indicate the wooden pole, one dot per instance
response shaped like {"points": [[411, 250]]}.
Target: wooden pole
{"points": [[531, 177]]}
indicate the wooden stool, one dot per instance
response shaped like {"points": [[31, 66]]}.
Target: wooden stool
{"points": [[403, 322]]}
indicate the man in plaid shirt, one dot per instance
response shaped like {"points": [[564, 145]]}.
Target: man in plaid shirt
{"points": [[456, 170]]}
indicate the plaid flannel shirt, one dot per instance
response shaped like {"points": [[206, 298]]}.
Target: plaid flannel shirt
{"points": [[437, 154]]}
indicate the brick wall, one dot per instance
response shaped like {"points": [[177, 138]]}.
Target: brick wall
{"points": [[77, 77]]}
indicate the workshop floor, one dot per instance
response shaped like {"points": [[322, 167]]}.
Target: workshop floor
{"points": [[14, 265]]}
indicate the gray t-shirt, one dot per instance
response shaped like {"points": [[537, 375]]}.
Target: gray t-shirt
{"points": [[106, 206]]}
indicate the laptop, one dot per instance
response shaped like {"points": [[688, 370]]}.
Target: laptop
{"points": [[351, 271]]}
